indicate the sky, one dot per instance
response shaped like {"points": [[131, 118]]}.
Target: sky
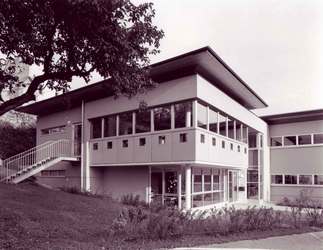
{"points": [[274, 46]]}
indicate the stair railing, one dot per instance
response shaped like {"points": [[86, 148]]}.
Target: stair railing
{"points": [[37, 155]]}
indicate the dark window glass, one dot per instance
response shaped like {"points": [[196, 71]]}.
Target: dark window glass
{"points": [[96, 128], [183, 115], [252, 176], [201, 115], [207, 182], [213, 120], [305, 179], [109, 144], [95, 146], [290, 179], [239, 148], [162, 118], [143, 121], [304, 139], [318, 138], [289, 140], [183, 137], [125, 124], [110, 126], [252, 140], [318, 179], [277, 179], [231, 146], [223, 144], [125, 143], [161, 139], [223, 125], [276, 142], [230, 128], [202, 138], [197, 183], [239, 131], [213, 141], [142, 141]]}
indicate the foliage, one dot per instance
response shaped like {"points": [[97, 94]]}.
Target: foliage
{"points": [[14, 140], [132, 200], [167, 223], [68, 38]]}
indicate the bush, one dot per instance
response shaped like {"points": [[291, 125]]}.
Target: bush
{"points": [[132, 200]]}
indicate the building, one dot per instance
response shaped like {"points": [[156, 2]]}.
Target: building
{"points": [[197, 143]]}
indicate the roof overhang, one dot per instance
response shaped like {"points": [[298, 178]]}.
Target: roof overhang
{"points": [[301, 116], [204, 62]]}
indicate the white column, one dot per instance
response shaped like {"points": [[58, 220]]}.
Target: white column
{"points": [[172, 116], [117, 125], [152, 124], [188, 191], [207, 118], [148, 198], [87, 183], [102, 127], [133, 123], [163, 187], [226, 126], [194, 113], [218, 122], [179, 187], [188, 118], [235, 130]]}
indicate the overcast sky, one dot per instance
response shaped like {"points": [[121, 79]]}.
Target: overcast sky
{"points": [[275, 46]]}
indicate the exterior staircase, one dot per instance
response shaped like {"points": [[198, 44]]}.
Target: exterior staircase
{"points": [[26, 164]]}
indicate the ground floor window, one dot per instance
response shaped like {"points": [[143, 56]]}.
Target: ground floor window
{"points": [[252, 184]]}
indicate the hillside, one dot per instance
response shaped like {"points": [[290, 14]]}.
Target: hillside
{"points": [[32, 217]]}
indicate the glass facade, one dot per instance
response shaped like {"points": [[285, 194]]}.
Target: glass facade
{"points": [[162, 118], [143, 121], [183, 115], [110, 126], [125, 123], [201, 116]]}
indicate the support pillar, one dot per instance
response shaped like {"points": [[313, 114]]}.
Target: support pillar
{"points": [[188, 187], [179, 187]]}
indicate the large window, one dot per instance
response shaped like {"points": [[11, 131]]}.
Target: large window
{"points": [[125, 123], [291, 179], [252, 140], [304, 139], [96, 128], [201, 115], [305, 179], [213, 120], [239, 131], [54, 130], [231, 128], [110, 126], [289, 140], [318, 138], [143, 121], [162, 118], [277, 179], [223, 125], [276, 142], [183, 114], [318, 179]]}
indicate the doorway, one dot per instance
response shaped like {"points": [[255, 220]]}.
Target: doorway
{"points": [[233, 186]]}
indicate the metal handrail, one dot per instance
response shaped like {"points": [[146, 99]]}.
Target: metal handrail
{"points": [[35, 156]]}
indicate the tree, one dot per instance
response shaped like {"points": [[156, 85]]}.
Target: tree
{"points": [[73, 38]]}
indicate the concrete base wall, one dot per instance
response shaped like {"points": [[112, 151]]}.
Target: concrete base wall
{"points": [[119, 181], [71, 179]]}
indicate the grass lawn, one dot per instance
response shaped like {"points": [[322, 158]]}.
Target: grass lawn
{"points": [[32, 217]]}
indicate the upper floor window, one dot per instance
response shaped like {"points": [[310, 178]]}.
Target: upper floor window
{"points": [[125, 123], [276, 141], [238, 131], [183, 114], [277, 179], [304, 139], [110, 126], [213, 120], [318, 138], [143, 121], [289, 140], [252, 140], [54, 130], [223, 125], [201, 115], [162, 118], [231, 128], [96, 128]]}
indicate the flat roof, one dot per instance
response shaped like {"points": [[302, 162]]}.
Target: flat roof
{"points": [[203, 61], [299, 116]]}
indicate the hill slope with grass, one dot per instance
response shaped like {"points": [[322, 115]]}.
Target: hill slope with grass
{"points": [[33, 217]]}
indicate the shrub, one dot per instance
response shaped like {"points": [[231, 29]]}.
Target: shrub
{"points": [[132, 200]]}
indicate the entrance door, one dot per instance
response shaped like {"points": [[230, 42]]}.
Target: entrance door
{"points": [[233, 186], [77, 139]]}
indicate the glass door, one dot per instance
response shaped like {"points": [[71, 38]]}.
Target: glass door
{"points": [[233, 186]]}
